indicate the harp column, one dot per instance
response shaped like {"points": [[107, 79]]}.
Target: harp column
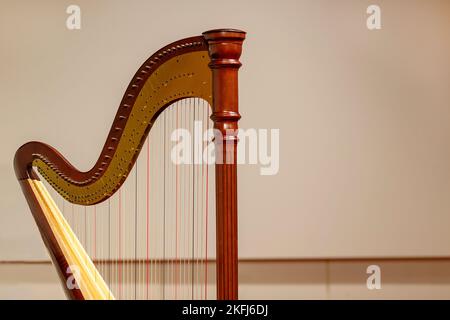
{"points": [[225, 47]]}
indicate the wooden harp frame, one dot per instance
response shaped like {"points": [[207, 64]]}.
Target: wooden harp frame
{"points": [[204, 66]]}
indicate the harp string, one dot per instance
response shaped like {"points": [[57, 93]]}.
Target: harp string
{"points": [[193, 216], [135, 227], [206, 206], [169, 218], [109, 264], [186, 206], [117, 253], [194, 210], [163, 265], [199, 210], [194, 198], [150, 239], [202, 198], [147, 218], [175, 269]]}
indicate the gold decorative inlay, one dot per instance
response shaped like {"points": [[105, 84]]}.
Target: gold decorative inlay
{"points": [[183, 76]]}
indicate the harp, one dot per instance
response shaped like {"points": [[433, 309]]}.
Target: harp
{"points": [[138, 225]]}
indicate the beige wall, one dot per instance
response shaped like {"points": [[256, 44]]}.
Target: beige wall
{"points": [[363, 117], [331, 279]]}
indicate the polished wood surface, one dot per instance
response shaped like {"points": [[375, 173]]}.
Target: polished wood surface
{"points": [[225, 47], [54, 248]]}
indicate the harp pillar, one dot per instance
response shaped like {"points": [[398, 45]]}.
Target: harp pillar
{"points": [[225, 47]]}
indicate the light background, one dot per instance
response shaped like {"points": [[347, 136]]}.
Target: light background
{"points": [[363, 115]]}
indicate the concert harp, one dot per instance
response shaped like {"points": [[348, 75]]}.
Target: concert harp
{"points": [[138, 225]]}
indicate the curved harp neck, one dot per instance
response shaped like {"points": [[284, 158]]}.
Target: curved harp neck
{"points": [[176, 71]]}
